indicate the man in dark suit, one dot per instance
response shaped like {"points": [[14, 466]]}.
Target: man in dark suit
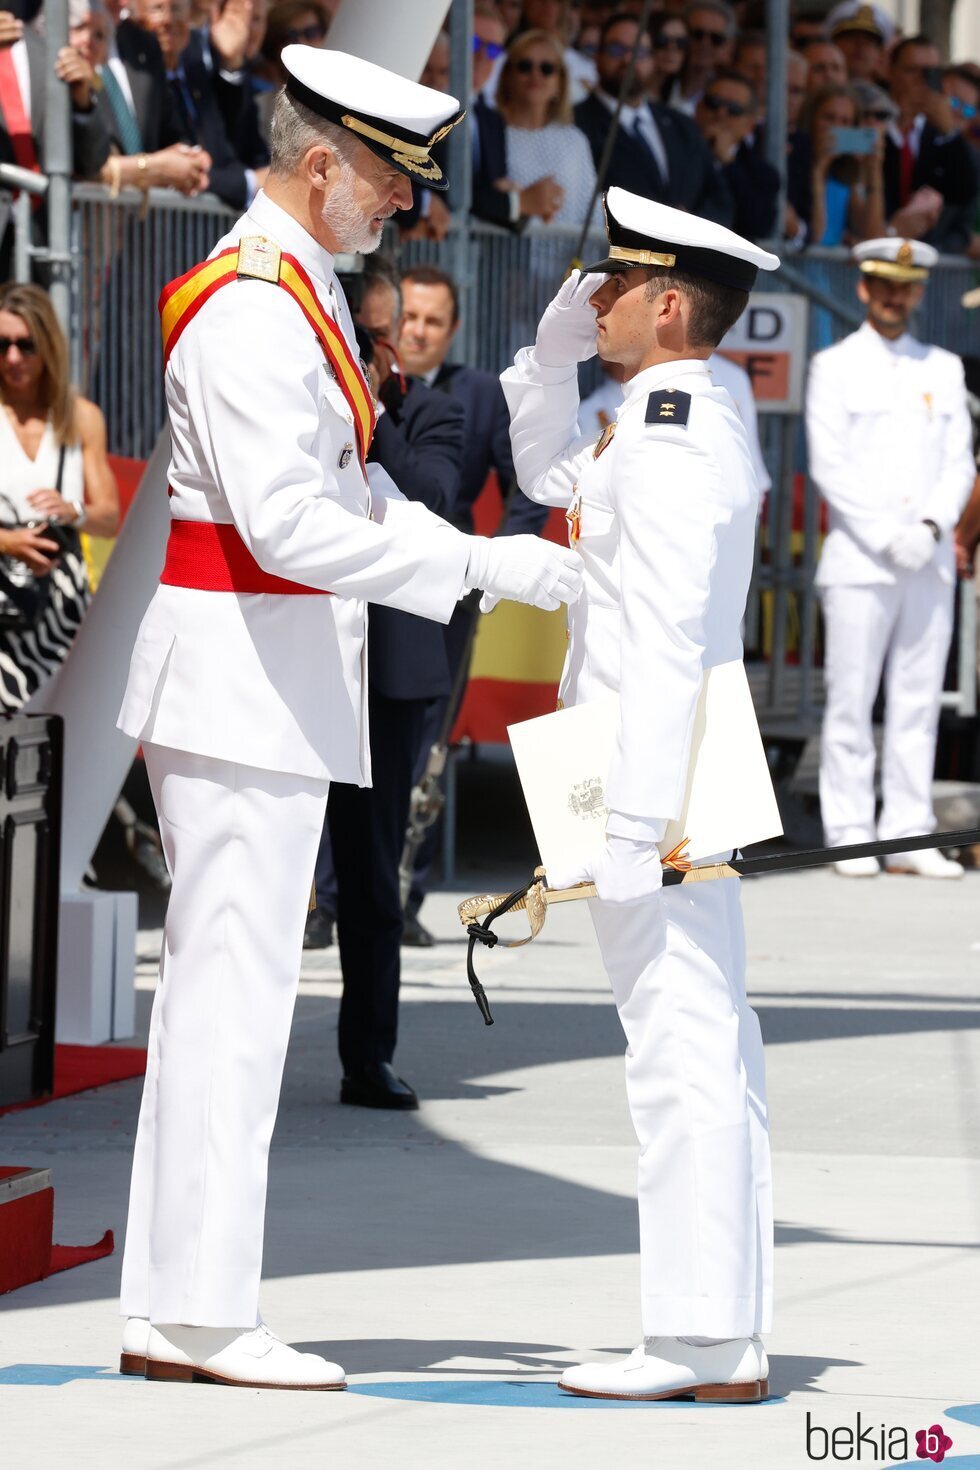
{"points": [[925, 152], [658, 151], [430, 321], [200, 98], [419, 441], [727, 115], [23, 106]]}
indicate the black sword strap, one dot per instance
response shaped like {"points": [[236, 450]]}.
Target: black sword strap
{"points": [[483, 934]]}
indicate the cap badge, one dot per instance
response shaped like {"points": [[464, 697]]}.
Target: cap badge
{"points": [[905, 254]]}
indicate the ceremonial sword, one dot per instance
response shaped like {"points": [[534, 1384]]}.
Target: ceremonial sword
{"points": [[535, 897]]}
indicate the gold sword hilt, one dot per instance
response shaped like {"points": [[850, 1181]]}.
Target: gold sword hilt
{"points": [[539, 898]]}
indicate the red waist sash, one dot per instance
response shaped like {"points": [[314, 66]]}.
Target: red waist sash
{"points": [[210, 558]]}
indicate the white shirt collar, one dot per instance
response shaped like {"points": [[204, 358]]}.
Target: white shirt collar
{"points": [[915, 133], [273, 220], [661, 375], [893, 345]]}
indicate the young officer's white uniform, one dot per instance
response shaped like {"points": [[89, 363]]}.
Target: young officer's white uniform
{"points": [[890, 444], [241, 742], [667, 525]]}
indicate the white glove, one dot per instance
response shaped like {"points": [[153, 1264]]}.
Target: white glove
{"points": [[623, 871], [524, 569], [913, 547], [567, 331]]}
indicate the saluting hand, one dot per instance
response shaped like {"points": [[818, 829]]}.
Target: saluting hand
{"points": [[567, 331]]}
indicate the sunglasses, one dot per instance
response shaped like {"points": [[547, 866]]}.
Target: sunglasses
{"points": [[489, 49], [717, 38], [965, 109], [617, 50], [26, 346], [881, 115], [670, 43], [526, 66], [722, 104], [311, 34]]}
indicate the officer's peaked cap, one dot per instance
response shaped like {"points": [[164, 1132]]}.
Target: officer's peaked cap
{"points": [[642, 232], [895, 259], [397, 119]]}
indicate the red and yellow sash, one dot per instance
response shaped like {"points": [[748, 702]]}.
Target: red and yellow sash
{"points": [[183, 298]]}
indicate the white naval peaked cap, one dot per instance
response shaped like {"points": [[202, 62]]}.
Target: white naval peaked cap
{"points": [[642, 232], [896, 259], [871, 20], [397, 119]]}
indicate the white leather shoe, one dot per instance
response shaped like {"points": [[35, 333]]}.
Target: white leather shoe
{"points": [[255, 1359], [866, 867], [666, 1368], [929, 863], [132, 1359]]}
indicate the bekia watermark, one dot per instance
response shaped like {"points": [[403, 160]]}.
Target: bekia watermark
{"points": [[874, 1443]]}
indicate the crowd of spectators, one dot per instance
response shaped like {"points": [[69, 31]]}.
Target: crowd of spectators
{"points": [[882, 135]]}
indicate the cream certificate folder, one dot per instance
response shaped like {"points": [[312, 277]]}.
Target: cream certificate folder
{"points": [[563, 760]]}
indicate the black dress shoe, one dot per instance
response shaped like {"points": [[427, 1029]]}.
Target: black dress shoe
{"points": [[319, 930], [374, 1085], [414, 932]]}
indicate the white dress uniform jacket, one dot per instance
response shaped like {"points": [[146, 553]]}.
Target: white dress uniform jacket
{"points": [[889, 442], [667, 532], [667, 516], [265, 440]]}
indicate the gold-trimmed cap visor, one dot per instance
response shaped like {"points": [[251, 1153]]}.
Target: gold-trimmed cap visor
{"points": [[890, 270]]}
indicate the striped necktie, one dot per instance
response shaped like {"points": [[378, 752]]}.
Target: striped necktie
{"points": [[128, 133]]}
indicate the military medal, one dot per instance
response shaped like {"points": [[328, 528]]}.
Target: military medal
{"points": [[604, 439], [573, 516], [927, 398], [345, 456]]}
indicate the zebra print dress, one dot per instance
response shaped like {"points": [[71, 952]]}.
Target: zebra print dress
{"points": [[29, 657]]}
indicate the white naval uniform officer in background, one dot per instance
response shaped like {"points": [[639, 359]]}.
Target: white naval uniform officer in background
{"points": [[663, 510], [240, 741], [890, 449]]}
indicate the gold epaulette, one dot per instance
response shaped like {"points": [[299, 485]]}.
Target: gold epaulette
{"points": [[259, 258]]}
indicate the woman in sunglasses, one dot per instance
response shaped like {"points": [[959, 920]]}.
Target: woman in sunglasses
{"points": [[290, 22], [544, 148], [53, 473], [669, 52]]}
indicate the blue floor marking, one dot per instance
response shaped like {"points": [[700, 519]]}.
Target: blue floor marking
{"points": [[965, 1413], [957, 1462], [53, 1375], [515, 1394]]}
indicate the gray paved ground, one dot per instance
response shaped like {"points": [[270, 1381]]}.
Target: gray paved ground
{"points": [[490, 1239]]}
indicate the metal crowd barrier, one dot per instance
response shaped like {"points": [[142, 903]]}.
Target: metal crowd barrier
{"points": [[125, 249]]}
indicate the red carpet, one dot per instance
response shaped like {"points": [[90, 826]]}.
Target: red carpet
{"points": [[78, 1068], [26, 1218], [63, 1257]]}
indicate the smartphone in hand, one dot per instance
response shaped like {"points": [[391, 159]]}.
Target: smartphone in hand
{"points": [[859, 141]]}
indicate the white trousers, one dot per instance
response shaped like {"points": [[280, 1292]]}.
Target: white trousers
{"points": [[904, 628], [695, 1079], [240, 844]]}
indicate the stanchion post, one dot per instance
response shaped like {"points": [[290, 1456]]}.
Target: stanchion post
{"points": [[58, 162], [460, 166]]}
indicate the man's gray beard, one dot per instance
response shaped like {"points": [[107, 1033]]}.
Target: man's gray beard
{"points": [[345, 219]]}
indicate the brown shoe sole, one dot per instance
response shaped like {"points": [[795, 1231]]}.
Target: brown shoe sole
{"points": [[702, 1393], [160, 1372], [132, 1364]]}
